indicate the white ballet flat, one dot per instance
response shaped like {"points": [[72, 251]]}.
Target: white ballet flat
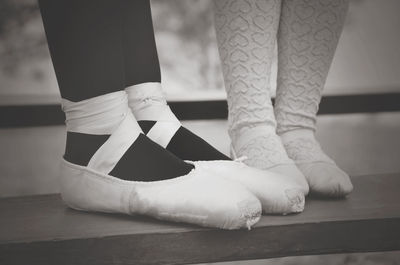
{"points": [[276, 193], [199, 197]]}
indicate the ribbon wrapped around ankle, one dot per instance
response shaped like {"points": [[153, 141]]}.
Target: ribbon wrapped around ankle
{"points": [[148, 103], [99, 115], [146, 100], [104, 115]]}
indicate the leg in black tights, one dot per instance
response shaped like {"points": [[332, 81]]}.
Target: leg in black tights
{"points": [[184, 144], [141, 63], [91, 43], [84, 39]]}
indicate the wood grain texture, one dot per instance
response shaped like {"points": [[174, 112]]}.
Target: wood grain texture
{"points": [[41, 230]]}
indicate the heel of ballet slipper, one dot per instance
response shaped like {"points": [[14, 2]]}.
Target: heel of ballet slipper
{"points": [[84, 190]]}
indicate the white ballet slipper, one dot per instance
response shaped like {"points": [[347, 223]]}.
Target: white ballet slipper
{"points": [[199, 197], [286, 169], [277, 194]]}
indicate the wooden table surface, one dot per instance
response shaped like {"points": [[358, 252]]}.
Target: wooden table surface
{"points": [[42, 230]]}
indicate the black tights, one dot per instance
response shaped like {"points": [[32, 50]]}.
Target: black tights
{"points": [[100, 46], [103, 46]]}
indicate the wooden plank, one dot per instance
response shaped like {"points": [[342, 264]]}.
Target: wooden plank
{"points": [[51, 114], [41, 230]]}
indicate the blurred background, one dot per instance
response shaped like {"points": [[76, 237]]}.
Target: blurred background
{"points": [[367, 61]]}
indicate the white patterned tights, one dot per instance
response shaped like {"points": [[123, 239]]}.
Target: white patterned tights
{"points": [[280, 138]]}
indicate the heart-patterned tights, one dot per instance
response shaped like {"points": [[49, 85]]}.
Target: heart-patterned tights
{"points": [[306, 33]]}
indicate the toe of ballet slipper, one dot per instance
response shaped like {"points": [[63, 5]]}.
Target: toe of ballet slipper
{"points": [[293, 174], [277, 194], [287, 171], [326, 179], [195, 198]]}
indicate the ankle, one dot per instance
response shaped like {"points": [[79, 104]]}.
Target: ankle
{"points": [[302, 147], [90, 123], [261, 145], [298, 133], [241, 137], [80, 147], [99, 115], [146, 100]]}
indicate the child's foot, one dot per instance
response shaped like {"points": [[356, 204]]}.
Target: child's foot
{"points": [[157, 121], [90, 124], [277, 193], [323, 175], [111, 166], [264, 150]]}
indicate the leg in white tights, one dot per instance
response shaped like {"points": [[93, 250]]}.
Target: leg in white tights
{"points": [[246, 33], [307, 38]]}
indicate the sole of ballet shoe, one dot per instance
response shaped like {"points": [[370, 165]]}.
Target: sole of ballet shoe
{"points": [[276, 194], [199, 197]]}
